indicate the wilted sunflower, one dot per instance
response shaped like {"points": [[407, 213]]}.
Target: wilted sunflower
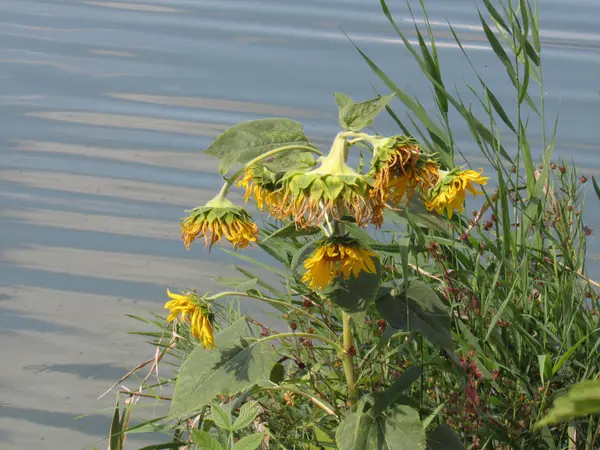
{"points": [[337, 257], [190, 310], [333, 189], [216, 220], [260, 183], [451, 191], [399, 167]]}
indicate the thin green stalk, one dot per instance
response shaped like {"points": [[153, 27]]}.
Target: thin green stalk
{"points": [[229, 181], [266, 300], [348, 358], [307, 335]]}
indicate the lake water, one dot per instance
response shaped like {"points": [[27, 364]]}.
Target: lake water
{"points": [[104, 106]]}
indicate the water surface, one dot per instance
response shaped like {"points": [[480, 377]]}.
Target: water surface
{"points": [[105, 105]]}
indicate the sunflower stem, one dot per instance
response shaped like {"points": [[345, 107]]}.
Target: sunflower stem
{"points": [[348, 358], [280, 150]]}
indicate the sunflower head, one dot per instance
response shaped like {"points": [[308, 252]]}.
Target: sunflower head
{"points": [[399, 167], [450, 192], [264, 185], [216, 220], [337, 256], [333, 189], [188, 308]]}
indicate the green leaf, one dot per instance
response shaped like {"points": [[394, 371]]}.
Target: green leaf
{"points": [[387, 398], [355, 294], [323, 437], [205, 441], [596, 187], [248, 413], [116, 428], [220, 417], [398, 429], [238, 283], [563, 359], [356, 116], [416, 212], [277, 373], [418, 308], [247, 140], [582, 399], [342, 99], [290, 230], [167, 445], [302, 253], [236, 363], [250, 442], [443, 438], [545, 367]]}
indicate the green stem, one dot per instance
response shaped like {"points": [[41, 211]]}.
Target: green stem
{"points": [[282, 149], [267, 300], [324, 406], [307, 335], [360, 136], [348, 359], [229, 181]]}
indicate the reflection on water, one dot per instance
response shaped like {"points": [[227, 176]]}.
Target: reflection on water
{"points": [[105, 105]]}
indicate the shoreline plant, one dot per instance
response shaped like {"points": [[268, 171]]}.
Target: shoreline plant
{"points": [[404, 321]]}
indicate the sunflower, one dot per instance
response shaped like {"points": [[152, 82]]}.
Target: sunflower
{"points": [[216, 220], [189, 310], [399, 168], [337, 257], [450, 192], [261, 184], [333, 189]]}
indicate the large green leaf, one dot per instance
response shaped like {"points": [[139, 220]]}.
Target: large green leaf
{"points": [[250, 442], [236, 363], [205, 441], [418, 308], [398, 429], [248, 413], [443, 438], [385, 399], [356, 116], [582, 399], [220, 417], [342, 99], [355, 294], [247, 140], [416, 212]]}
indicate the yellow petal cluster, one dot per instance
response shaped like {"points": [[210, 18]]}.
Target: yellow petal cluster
{"points": [[218, 221], [188, 309], [450, 193], [337, 259], [332, 190], [399, 168], [268, 196]]}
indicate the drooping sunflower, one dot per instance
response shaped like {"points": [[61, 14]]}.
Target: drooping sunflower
{"points": [[450, 192], [188, 308], [399, 168], [333, 189], [337, 257], [263, 185], [216, 220]]}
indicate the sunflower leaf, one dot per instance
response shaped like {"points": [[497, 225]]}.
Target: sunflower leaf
{"points": [[398, 429], [245, 141], [235, 364], [355, 294], [417, 308], [356, 116]]}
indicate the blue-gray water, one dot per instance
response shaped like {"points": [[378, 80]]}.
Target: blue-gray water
{"points": [[104, 105]]}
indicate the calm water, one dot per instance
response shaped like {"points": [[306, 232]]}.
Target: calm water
{"points": [[104, 106]]}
